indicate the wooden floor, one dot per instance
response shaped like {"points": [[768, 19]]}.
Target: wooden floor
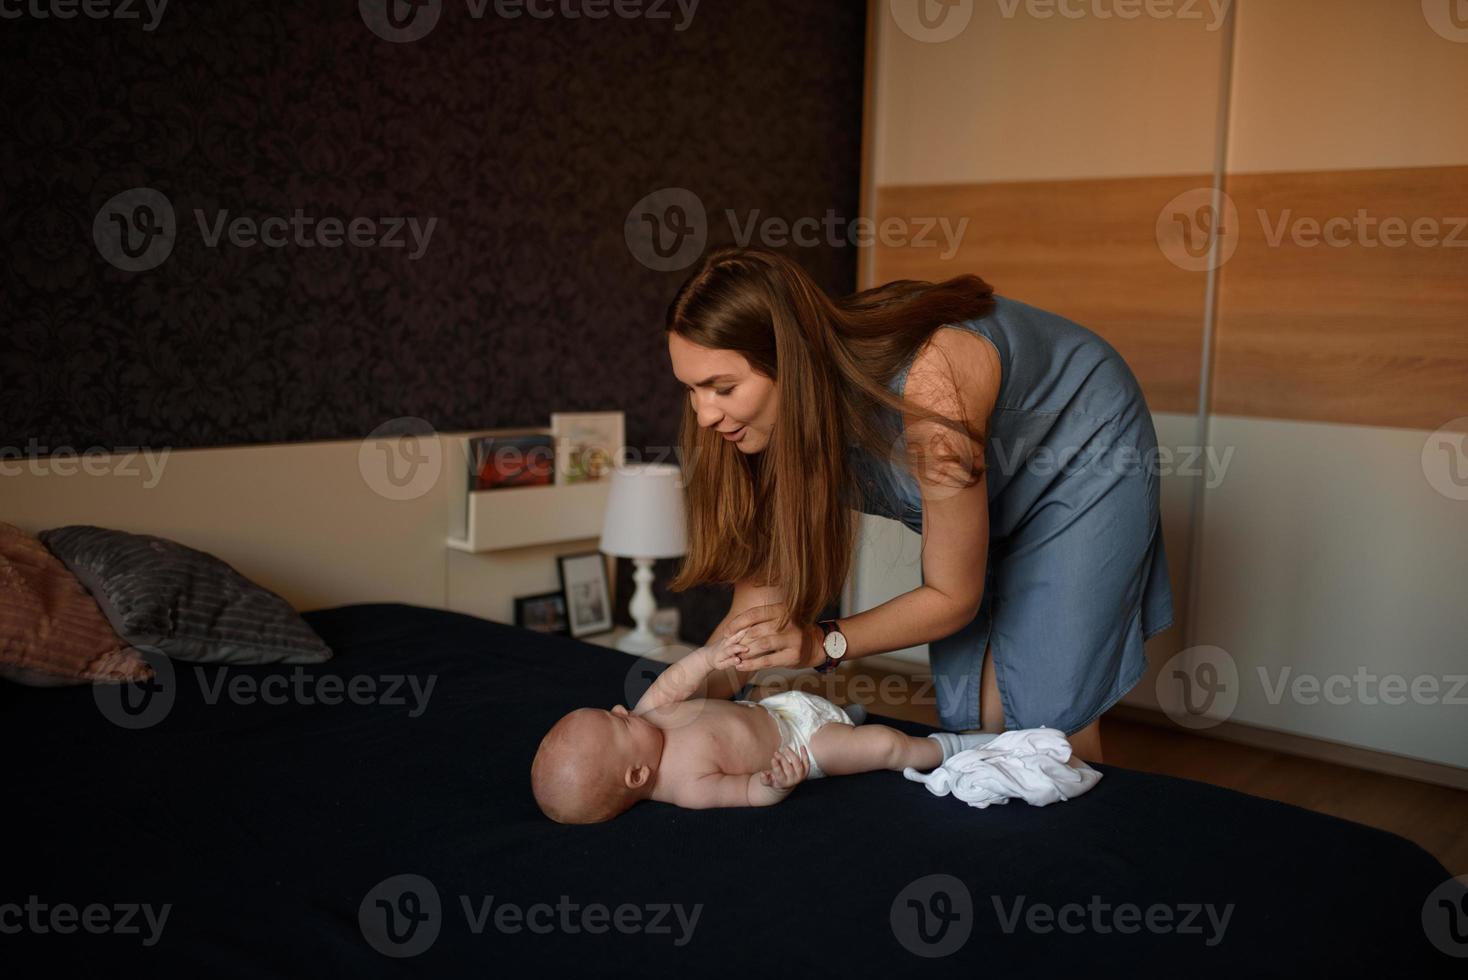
{"points": [[1435, 817]]}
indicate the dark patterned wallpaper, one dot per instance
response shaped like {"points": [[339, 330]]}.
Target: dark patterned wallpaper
{"points": [[438, 224], [234, 222]]}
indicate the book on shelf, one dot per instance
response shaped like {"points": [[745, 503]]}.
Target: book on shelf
{"points": [[511, 458]]}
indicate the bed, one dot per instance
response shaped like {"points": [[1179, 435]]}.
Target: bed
{"points": [[394, 834]]}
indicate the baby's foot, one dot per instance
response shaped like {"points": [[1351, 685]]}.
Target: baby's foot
{"points": [[953, 742]]}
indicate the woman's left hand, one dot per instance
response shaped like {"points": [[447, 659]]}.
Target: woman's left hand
{"points": [[796, 645]]}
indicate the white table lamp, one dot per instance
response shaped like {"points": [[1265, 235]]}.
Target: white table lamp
{"points": [[644, 522]]}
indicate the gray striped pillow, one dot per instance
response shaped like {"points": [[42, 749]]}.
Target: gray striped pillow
{"points": [[163, 597]]}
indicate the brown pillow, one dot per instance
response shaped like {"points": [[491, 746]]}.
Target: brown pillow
{"points": [[51, 629]]}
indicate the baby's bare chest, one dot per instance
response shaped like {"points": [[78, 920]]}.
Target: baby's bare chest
{"points": [[721, 736]]}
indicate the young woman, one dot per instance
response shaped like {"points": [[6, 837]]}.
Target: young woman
{"points": [[1017, 442]]}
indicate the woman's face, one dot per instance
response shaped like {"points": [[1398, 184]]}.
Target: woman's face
{"points": [[727, 394]]}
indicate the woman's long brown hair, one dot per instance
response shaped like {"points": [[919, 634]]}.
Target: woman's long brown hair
{"points": [[784, 516]]}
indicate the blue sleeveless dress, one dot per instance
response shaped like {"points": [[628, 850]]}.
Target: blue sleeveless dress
{"points": [[1076, 575]]}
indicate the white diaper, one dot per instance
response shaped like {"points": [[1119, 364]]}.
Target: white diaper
{"points": [[799, 715]]}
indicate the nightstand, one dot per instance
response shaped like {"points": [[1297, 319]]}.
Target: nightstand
{"points": [[666, 655]]}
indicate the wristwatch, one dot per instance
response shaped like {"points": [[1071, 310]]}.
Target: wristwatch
{"points": [[833, 643]]}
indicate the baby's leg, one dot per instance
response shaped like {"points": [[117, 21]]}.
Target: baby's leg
{"points": [[841, 750]]}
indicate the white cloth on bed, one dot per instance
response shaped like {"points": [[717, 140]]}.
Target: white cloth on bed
{"points": [[1032, 764]]}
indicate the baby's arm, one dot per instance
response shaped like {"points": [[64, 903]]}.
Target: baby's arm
{"points": [[686, 677], [765, 788]]}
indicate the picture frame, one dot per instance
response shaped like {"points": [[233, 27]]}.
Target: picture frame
{"points": [[588, 600], [543, 613], [588, 445]]}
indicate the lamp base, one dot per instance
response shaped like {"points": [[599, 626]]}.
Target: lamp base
{"points": [[640, 641]]}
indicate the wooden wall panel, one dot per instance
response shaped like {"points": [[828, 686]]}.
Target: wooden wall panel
{"points": [[1086, 249], [1365, 333]]}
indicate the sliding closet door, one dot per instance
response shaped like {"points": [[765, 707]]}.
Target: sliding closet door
{"points": [[1334, 549], [1063, 159]]}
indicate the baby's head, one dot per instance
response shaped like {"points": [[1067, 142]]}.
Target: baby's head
{"points": [[593, 764]]}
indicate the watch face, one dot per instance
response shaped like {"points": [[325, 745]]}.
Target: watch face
{"points": [[835, 644]]}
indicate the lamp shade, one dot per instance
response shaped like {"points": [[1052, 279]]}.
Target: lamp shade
{"points": [[644, 516]]}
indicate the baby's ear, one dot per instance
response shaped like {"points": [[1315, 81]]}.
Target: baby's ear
{"points": [[636, 776]]}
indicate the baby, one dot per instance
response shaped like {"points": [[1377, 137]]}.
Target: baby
{"points": [[695, 752]]}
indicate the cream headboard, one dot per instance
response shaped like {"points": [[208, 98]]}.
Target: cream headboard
{"points": [[315, 522]]}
